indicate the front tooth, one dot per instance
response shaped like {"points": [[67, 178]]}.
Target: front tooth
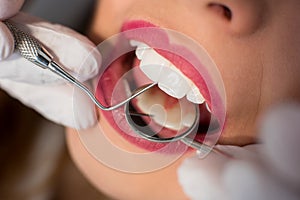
{"points": [[173, 83], [194, 95], [160, 70], [168, 77], [135, 43], [141, 48], [152, 64]]}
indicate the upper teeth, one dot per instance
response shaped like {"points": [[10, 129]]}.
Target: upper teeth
{"points": [[169, 78]]}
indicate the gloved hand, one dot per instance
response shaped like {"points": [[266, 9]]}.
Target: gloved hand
{"points": [[266, 171], [41, 89]]}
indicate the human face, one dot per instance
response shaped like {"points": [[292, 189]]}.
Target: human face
{"points": [[254, 44]]}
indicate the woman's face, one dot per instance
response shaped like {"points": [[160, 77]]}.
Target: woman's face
{"points": [[254, 44]]}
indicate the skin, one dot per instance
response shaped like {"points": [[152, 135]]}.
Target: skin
{"points": [[256, 51]]}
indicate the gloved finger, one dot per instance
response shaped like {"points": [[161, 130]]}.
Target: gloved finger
{"points": [[249, 180], [18, 69], [69, 48], [54, 103], [7, 42], [201, 178], [280, 131], [9, 8]]}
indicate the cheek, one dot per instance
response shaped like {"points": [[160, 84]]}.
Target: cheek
{"points": [[101, 23], [280, 55], [109, 16], [239, 63]]}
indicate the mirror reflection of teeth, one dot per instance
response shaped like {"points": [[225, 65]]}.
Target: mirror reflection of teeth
{"points": [[170, 79], [175, 117]]}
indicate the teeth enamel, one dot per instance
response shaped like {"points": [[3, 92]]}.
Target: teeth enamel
{"points": [[141, 48], [169, 78], [135, 43], [152, 65], [165, 119], [207, 107], [179, 116], [173, 83], [188, 120], [195, 96]]}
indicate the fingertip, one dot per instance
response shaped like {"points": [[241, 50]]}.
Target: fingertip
{"points": [[254, 180], [281, 122], [91, 65], [241, 176], [73, 50], [9, 8], [86, 124], [200, 178], [7, 42], [280, 130], [84, 111]]}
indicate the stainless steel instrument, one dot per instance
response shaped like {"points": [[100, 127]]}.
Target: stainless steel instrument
{"points": [[32, 50]]}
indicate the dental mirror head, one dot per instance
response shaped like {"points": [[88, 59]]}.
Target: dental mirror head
{"points": [[186, 135], [147, 127]]}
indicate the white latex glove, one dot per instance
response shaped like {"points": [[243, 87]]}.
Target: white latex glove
{"points": [[266, 171], [41, 89]]}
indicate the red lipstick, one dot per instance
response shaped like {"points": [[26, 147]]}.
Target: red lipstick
{"points": [[180, 56]]}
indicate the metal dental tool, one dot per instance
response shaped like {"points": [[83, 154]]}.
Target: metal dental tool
{"points": [[33, 51], [186, 137]]}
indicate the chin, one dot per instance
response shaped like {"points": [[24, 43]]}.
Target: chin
{"points": [[161, 184]]}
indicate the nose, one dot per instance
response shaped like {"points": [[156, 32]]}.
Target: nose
{"points": [[243, 17]]}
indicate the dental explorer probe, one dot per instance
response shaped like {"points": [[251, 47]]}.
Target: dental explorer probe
{"points": [[36, 53]]}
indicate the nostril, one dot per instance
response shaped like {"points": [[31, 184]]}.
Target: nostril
{"points": [[227, 12], [222, 10], [245, 17]]}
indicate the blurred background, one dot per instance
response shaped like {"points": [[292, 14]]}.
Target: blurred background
{"points": [[34, 161]]}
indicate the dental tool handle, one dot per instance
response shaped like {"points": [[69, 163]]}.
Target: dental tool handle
{"points": [[29, 47], [32, 50]]}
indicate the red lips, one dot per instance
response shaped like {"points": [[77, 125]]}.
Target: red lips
{"points": [[181, 57]]}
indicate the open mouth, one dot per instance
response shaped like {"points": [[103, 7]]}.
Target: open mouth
{"points": [[179, 87]]}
